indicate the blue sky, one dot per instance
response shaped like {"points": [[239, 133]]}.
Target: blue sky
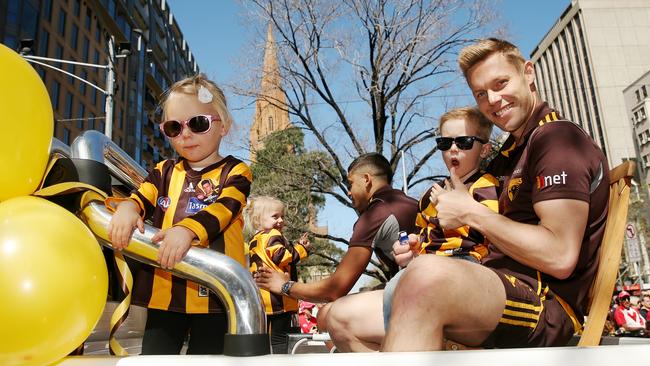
{"points": [[218, 35]]}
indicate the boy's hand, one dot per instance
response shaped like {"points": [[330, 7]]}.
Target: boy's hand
{"points": [[176, 241], [433, 197], [454, 201], [124, 221], [304, 241], [404, 254]]}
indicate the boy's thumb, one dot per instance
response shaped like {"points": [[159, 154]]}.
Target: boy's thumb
{"points": [[455, 180]]}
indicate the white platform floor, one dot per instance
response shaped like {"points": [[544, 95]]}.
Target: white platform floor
{"points": [[573, 356]]}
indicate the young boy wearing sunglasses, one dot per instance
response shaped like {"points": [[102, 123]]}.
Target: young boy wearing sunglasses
{"points": [[199, 196], [464, 143]]}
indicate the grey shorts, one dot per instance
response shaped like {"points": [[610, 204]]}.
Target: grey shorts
{"points": [[389, 290]]}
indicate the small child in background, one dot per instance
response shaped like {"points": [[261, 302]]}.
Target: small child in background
{"points": [[199, 196], [464, 143], [271, 249]]}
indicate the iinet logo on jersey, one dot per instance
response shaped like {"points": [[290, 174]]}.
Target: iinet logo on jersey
{"points": [[549, 180]]}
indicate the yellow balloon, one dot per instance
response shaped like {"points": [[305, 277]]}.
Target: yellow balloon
{"points": [[26, 123], [54, 282]]}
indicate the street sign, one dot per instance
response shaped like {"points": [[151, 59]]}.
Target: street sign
{"points": [[633, 250]]}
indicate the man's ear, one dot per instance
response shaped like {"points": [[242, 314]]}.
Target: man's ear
{"points": [[529, 73], [367, 180], [485, 150]]}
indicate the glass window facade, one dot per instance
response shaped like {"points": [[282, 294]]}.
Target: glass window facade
{"points": [[28, 21], [54, 94], [82, 86], [68, 105], [74, 36], [47, 10], [61, 25], [43, 42]]}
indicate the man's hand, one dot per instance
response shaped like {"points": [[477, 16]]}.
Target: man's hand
{"points": [[454, 202], [124, 221], [404, 254], [176, 241], [271, 280]]}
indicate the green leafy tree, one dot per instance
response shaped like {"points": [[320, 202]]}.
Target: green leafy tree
{"points": [[286, 170]]}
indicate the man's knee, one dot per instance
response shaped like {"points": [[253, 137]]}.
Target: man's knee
{"points": [[438, 282], [427, 272], [321, 317], [337, 317]]}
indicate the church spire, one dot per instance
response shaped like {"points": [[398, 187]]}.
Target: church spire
{"points": [[270, 108]]}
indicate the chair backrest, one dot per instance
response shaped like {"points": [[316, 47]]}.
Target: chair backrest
{"points": [[610, 253]]}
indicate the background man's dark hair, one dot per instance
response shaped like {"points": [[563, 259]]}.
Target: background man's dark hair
{"points": [[376, 164]]}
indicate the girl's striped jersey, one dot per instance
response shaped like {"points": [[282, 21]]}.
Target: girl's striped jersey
{"points": [[464, 240], [209, 202], [271, 249]]}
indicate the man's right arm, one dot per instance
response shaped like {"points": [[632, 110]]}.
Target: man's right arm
{"points": [[337, 285]]}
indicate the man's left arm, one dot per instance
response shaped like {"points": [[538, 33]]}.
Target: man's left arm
{"points": [[552, 244], [551, 247]]}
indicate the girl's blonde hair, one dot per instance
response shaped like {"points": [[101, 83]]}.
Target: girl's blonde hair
{"points": [[191, 85], [258, 206]]}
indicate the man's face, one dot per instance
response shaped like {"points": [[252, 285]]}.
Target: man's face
{"points": [[358, 190], [503, 92]]}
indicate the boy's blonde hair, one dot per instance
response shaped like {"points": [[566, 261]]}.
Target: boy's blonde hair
{"points": [[191, 85], [472, 115], [258, 206], [479, 51]]}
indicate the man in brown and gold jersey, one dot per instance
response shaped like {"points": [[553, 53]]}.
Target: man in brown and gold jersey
{"points": [[544, 242]]}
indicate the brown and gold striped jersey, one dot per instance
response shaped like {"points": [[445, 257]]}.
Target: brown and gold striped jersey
{"points": [[271, 249], [209, 202], [462, 241], [553, 159]]}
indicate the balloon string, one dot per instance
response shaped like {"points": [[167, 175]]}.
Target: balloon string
{"points": [[125, 281]]}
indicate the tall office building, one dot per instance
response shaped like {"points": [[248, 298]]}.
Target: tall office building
{"points": [[79, 30], [638, 105], [594, 51]]}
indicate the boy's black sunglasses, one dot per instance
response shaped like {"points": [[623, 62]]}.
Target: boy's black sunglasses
{"points": [[462, 142]]}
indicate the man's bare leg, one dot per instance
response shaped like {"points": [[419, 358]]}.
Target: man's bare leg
{"points": [[321, 317], [355, 322], [464, 299]]}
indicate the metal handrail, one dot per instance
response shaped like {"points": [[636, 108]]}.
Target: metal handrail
{"points": [[220, 273]]}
